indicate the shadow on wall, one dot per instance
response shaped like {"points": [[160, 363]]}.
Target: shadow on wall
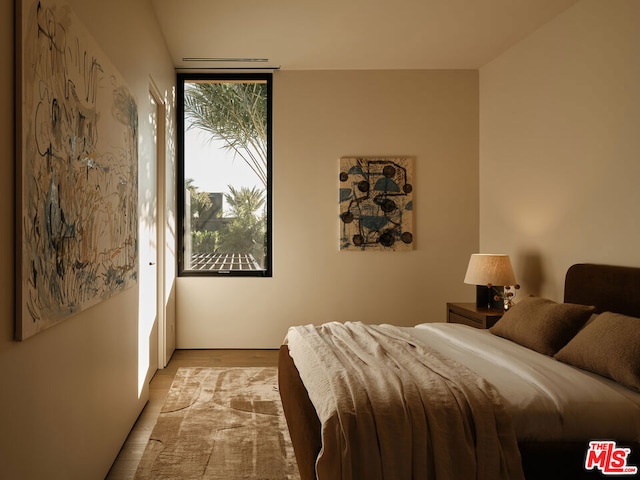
{"points": [[531, 274]]}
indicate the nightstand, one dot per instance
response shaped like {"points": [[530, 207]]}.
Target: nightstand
{"points": [[470, 314]]}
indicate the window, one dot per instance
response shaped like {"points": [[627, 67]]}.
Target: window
{"points": [[224, 174]]}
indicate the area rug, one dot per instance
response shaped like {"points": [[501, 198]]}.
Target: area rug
{"points": [[220, 423]]}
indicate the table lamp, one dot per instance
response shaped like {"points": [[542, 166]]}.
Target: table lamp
{"points": [[490, 273]]}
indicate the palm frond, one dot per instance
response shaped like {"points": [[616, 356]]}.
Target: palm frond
{"points": [[235, 113]]}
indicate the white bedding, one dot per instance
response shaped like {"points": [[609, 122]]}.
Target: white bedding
{"points": [[547, 400]]}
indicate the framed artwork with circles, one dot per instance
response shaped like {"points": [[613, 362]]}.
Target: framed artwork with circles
{"points": [[376, 203]]}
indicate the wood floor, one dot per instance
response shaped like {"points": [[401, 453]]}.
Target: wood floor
{"points": [[125, 465]]}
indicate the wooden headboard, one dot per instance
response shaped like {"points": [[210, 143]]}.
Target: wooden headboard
{"points": [[609, 288]]}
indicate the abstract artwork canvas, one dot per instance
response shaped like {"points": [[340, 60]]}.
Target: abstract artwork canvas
{"points": [[77, 170], [376, 203]]}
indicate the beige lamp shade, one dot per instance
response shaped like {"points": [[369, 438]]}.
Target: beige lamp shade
{"points": [[490, 269]]}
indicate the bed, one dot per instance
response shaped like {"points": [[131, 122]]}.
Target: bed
{"points": [[549, 444]]}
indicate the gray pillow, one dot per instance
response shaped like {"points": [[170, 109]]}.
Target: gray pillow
{"points": [[608, 346], [541, 324]]}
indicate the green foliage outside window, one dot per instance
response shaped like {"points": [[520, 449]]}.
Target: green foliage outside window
{"points": [[236, 113]]}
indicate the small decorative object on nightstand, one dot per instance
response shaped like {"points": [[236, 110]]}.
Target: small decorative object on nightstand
{"points": [[472, 315]]}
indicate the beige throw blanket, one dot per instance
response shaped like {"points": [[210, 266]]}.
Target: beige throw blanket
{"points": [[391, 408]]}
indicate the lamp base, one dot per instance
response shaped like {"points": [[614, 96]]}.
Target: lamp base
{"points": [[485, 297]]}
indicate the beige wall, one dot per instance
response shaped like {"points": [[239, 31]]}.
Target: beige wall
{"points": [[560, 146], [320, 116], [70, 394]]}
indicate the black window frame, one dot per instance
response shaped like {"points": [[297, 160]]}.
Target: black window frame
{"points": [[183, 77]]}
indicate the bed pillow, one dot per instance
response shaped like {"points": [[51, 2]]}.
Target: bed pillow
{"points": [[608, 346], [541, 324]]}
